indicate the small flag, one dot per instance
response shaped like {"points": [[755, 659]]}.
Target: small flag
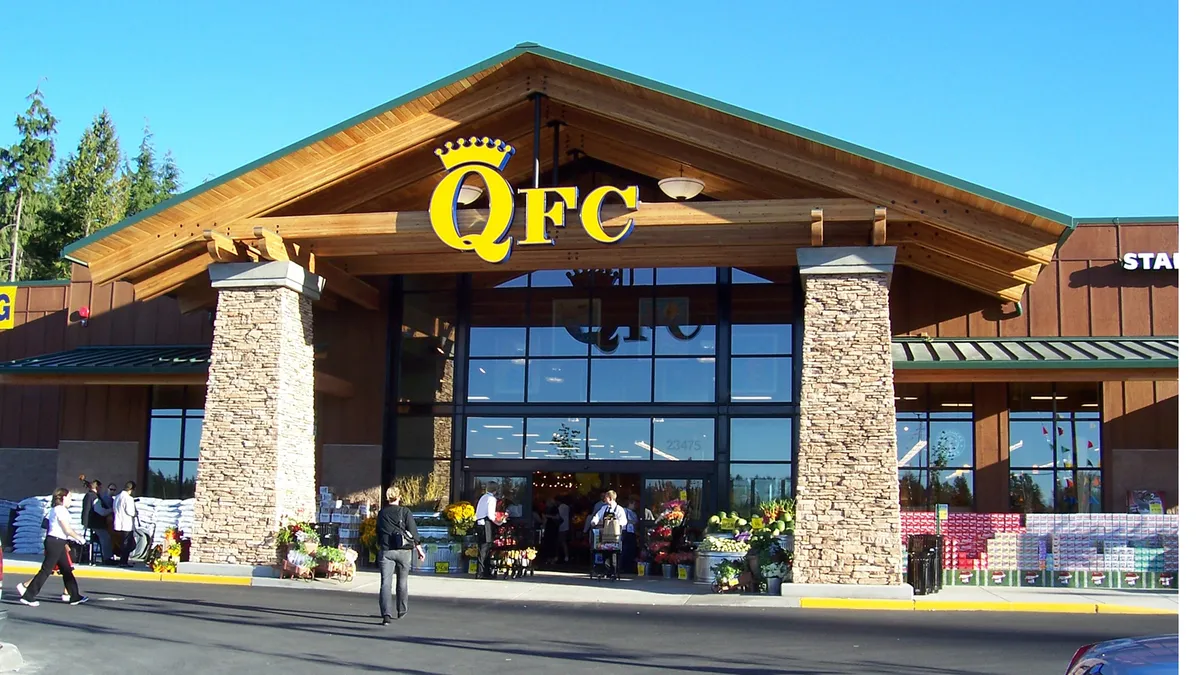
{"points": [[1090, 445], [1044, 431]]}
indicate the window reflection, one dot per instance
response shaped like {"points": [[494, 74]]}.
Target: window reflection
{"points": [[760, 379], [496, 380], [1054, 447], [683, 440], [620, 380], [619, 439], [685, 380], [494, 437], [935, 445], [685, 276], [557, 380], [753, 484], [754, 439], [555, 438]]}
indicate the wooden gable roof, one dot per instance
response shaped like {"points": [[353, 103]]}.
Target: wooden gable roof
{"points": [[382, 162]]}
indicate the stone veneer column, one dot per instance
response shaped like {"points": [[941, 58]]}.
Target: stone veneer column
{"points": [[257, 463], [847, 497]]}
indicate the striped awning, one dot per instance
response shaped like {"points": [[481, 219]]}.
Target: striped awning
{"points": [[1035, 353]]}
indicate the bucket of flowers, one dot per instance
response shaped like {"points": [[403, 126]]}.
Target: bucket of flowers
{"points": [[164, 558], [684, 563], [333, 563], [460, 516], [296, 542]]}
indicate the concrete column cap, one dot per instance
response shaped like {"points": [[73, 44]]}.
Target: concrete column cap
{"points": [[274, 274], [846, 260]]}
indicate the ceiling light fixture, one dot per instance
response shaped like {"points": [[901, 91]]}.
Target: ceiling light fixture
{"points": [[681, 187], [467, 194]]}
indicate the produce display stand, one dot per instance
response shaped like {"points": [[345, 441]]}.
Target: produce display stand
{"points": [[512, 553], [605, 558]]}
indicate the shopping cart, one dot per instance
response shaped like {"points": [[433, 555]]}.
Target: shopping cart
{"points": [[605, 557]]}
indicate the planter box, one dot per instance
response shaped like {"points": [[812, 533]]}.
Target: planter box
{"points": [[707, 560]]}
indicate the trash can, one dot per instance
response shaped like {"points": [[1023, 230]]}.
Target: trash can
{"points": [[925, 563]]}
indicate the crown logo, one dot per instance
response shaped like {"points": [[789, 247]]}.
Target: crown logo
{"points": [[490, 151]]}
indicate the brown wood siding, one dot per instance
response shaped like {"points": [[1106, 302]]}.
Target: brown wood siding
{"points": [[1084, 292], [991, 448], [1137, 416], [29, 416]]}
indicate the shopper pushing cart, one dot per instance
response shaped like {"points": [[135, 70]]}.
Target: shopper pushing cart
{"points": [[608, 525]]}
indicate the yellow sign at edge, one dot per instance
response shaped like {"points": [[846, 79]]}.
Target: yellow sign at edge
{"points": [[8, 307], [756, 523], [441, 568], [486, 158]]}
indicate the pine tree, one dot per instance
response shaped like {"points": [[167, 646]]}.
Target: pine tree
{"points": [[24, 174], [169, 178], [143, 180], [89, 194]]}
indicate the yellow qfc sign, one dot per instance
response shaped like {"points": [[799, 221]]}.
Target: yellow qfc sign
{"points": [[486, 158], [8, 306]]}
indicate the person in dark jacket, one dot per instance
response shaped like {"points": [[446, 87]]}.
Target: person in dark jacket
{"points": [[94, 520], [396, 533]]}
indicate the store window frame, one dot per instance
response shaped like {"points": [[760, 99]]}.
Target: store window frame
{"points": [[957, 411], [184, 415], [1052, 421]]}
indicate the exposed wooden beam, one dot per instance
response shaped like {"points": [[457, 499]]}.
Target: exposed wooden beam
{"points": [[223, 249], [818, 227], [900, 198], [969, 251], [194, 297], [174, 277], [879, 227], [141, 261], [272, 246], [986, 281]]}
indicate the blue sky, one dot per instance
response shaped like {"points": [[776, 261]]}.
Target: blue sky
{"points": [[1070, 105]]}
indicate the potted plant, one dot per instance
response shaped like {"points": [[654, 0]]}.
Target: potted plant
{"points": [[775, 572]]}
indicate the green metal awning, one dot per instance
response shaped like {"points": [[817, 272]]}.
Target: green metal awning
{"points": [[114, 360], [1035, 353]]}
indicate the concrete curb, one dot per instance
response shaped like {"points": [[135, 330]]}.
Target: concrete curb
{"points": [[88, 572], [979, 606]]}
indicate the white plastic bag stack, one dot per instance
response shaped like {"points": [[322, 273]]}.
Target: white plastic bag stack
{"points": [[166, 517], [187, 517], [28, 535]]}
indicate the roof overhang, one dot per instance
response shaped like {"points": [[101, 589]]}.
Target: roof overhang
{"points": [[379, 166]]}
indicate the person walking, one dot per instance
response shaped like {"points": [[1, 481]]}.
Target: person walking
{"points": [[124, 517], [396, 532], [58, 533], [629, 547], [485, 526]]}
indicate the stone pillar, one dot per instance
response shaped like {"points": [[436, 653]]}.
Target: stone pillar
{"points": [[257, 463], [847, 498]]}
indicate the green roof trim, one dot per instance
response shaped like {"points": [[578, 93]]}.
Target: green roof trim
{"points": [[907, 353], [568, 59], [1035, 353], [1135, 220], [115, 360]]}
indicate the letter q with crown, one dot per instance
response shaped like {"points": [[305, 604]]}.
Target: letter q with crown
{"points": [[486, 158]]}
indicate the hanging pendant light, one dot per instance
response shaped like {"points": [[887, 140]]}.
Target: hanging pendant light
{"points": [[467, 194], [680, 187]]}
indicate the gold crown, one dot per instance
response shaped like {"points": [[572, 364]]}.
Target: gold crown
{"points": [[490, 151]]}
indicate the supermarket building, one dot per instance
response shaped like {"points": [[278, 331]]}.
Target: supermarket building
{"points": [[787, 314]]}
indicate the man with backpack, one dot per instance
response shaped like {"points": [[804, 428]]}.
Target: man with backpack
{"points": [[396, 532]]}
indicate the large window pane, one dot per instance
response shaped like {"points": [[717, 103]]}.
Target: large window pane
{"points": [[760, 439], [760, 379], [163, 479], [616, 438], [494, 437], [955, 488], [1064, 439], [620, 380], [428, 347], [762, 339], [682, 440], [425, 437], [623, 327], [1087, 484], [1087, 440], [753, 484], [685, 380], [513, 495], [558, 380], [911, 444], [555, 438], [561, 325], [191, 437], [685, 275], [912, 489], [166, 433], [685, 321], [1031, 491], [1029, 443], [497, 341], [494, 380], [951, 441], [187, 485]]}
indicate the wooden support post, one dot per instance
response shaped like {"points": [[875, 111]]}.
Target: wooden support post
{"points": [[879, 227], [818, 227], [222, 248]]}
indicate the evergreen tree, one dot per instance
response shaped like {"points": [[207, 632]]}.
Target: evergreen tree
{"points": [[89, 193], [169, 178], [143, 180], [24, 177]]}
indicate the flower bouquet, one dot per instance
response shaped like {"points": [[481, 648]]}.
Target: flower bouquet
{"points": [[165, 557], [461, 516]]}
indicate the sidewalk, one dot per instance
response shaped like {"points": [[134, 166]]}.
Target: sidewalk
{"points": [[549, 587]]}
